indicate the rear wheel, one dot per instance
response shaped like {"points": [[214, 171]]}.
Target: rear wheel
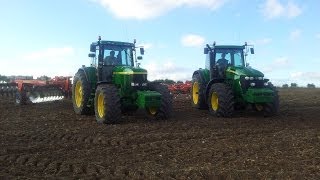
{"points": [[107, 104], [198, 93], [81, 94], [165, 109], [221, 100]]}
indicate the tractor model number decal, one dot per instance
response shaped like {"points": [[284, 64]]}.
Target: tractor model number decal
{"points": [[129, 73], [234, 72]]}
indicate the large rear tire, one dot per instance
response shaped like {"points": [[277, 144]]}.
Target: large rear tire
{"points": [[81, 94], [198, 91], [272, 109], [221, 100], [165, 109], [107, 104]]}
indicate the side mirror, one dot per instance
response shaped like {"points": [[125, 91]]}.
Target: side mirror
{"points": [[251, 50], [139, 57], [92, 48], [142, 51], [205, 50], [92, 55]]}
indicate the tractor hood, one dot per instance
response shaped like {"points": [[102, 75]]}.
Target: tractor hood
{"points": [[129, 70], [128, 75], [245, 71]]}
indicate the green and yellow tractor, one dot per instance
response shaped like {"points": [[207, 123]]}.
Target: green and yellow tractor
{"points": [[228, 83], [114, 84]]}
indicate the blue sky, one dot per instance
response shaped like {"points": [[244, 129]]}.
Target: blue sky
{"points": [[53, 37]]}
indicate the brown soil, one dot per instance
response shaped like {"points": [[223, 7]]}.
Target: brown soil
{"points": [[47, 140]]}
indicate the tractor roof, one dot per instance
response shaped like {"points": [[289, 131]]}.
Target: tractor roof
{"points": [[229, 47], [115, 43]]}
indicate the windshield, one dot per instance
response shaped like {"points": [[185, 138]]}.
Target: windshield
{"points": [[120, 56], [238, 58], [232, 56]]}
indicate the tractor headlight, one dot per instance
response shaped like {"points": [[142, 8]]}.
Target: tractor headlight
{"points": [[266, 84], [246, 78], [144, 84], [260, 78], [134, 84], [252, 84], [251, 78]]}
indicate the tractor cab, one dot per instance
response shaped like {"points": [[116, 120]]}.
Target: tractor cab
{"points": [[220, 59], [112, 55]]}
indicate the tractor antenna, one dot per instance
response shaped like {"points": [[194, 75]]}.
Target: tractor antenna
{"points": [[135, 52]]}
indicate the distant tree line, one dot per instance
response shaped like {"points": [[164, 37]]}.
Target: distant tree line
{"points": [[295, 85], [4, 78], [166, 81], [11, 78]]}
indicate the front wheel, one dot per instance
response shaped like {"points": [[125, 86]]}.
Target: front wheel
{"points": [[271, 109], [165, 109], [107, 104], [221, 100]]}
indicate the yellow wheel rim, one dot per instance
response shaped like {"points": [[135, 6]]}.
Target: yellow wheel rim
{"points": [[214, 101], [78, 94], [195, 92], [153, 110], [101, 105], [259, 107]]}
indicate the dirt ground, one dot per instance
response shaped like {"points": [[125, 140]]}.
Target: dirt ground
{"points": [[47, 140]]}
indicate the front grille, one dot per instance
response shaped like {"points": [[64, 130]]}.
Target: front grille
{"points": [[139, 78], [245, 84]]}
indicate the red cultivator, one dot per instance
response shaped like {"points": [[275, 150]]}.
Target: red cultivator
{"points": [[34, 91], [180, 88]]}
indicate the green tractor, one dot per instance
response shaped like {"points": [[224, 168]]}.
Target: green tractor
{"points": [[228, 83], [114, 84]]}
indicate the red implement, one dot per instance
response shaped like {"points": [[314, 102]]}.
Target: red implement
{"points": [[34, 91]]}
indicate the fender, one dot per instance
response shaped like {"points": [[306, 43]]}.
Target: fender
{"points": [[211, 83], [90, 74], [204, 75]]}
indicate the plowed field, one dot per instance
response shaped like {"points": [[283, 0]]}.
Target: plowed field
{"points": [[47, 140]]}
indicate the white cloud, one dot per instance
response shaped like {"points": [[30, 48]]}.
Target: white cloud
{"points": [[273, 9], [147, 9], [192, 40], [295, 34], [262, 41], [282, 61], [49, 61], [318, 36], [303, 78], [276, 64], [167, 70], [146, 45], [50, 53], [312, 76], [293, 10]]}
